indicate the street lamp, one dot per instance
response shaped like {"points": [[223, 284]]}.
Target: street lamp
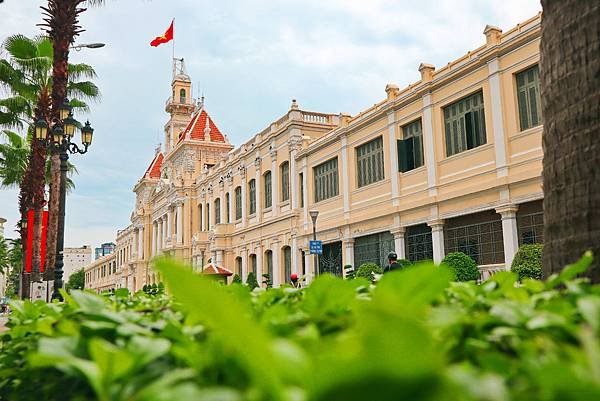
{"points": [[88, 46], [313, 215], [62, 130]]}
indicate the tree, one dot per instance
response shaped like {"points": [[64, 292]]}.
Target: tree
{"points": [[76, 280], [570, 89]]}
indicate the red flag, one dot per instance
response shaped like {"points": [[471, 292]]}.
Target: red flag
{"points": [[167, 37]]}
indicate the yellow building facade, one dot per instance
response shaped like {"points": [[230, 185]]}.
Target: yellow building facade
{"points": [[450, 163]]}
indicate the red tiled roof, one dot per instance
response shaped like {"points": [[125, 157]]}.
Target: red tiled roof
{"points": [[212, 268], [195, 129], [153, 170]]}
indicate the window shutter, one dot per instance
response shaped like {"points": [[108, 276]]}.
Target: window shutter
{"points": [[469, 130]]}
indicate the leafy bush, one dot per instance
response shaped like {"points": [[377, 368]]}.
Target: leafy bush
{"points": [[366, 270], [349, 272], [251, 280], [463, 266], [404, 263], [415, 335], [236, 279], [528, 262]]}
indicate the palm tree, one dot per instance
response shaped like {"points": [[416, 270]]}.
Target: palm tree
{"points": [[570, 83], [62, 24], [26, 76]]}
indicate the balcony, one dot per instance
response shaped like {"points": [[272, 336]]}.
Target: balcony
{"points": [[172, 104]]}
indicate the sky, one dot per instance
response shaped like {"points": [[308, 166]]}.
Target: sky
{"points": [[250, 59]]}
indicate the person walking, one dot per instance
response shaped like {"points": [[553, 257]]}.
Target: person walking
{"points": [[392, 263]]}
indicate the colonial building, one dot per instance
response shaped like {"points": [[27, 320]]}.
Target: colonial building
{"points": [[74, 259], [450, 163]]}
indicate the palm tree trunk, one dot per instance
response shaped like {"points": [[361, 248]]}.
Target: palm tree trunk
{"points": [[570, 84], [61, 21]]}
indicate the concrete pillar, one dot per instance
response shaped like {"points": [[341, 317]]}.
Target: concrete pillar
{"points": [[259, 265], [231, 205], [347, 253], [399, 244], [258, 186], [244, 256], [274, 182], [277, 265], [169, 218], [219, 257], [153, 245], [510, 233], [305, 194], [429, 144], [394, 179], [437, 237], [180, 223], [223, 205], [159, 236], [345, 181], [308, 262], [244, 200], [296, 264], [497, 116], [141, 243], [294, 190]]}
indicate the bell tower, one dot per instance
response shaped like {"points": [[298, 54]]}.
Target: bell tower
{"points": [[180, 105]]}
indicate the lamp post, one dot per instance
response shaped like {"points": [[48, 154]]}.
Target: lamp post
{"points": [[88, 46], [57, 135], [313, 215]]}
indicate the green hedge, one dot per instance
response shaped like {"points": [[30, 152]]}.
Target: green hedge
{"points": [[528, 261], [366, 270], [251, 280], [463, 266], [415, 335]]}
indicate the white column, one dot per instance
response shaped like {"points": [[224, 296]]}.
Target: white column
{"points": [[429, 144], [259, 200], [295, 254], [510, 233], [308, 262], [219, 257], [394, 179], [154, 238], [348, 254], [244, 200], [223, 206], [259, 265], [244, 256], [305, 192], [274, 182], [231, 204], [165, 235], [211, 211], [179, 223], [169, 224], [277, 265], [399, 244], [141, 243], [437, 237], [204, 222], [159, 236], [345, 181], [294, 190], [497, 116]]}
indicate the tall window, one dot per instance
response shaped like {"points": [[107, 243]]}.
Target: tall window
{"points": [[238, 266], [200, 217], [252, 200], [419, 244], [238, 203], [227, 207], [410, 149], [464, 123], [287, 263], [477, 235], [301, 180], [182, 96], [528, 95], [326, 180], [369, 162], [285, 181], [218, 211], [208, 216], [269, 255], [268, 189], [253, 265]]}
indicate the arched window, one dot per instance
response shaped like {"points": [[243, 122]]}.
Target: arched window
{"points": [[238, 266], [252, 199], [268, 188], [238, 203], [217, 211], [200, 228], [227, 208], [269, 262], [253, 264], [287, 263], [285, 181], [182, 96]]}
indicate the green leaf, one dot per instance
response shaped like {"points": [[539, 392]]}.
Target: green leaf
{"points": [[571, 271]]}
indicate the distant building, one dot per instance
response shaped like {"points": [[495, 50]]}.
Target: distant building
{"points": [[2, 221], [102, 275], [105, 249], [74, 259], [2, 275]]}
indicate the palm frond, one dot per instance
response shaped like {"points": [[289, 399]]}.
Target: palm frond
{"points": [[20, 46], [79, 105], [14, 156], [81, 71], [84, 90]]}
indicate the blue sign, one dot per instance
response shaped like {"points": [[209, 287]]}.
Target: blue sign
{"points": [[316, 247]]}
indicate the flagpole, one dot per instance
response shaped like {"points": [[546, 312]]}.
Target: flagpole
{"points": [[173, 47]]}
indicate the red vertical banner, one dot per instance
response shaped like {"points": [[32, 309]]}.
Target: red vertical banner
{"points": [[29, 248], [43, 244]]}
